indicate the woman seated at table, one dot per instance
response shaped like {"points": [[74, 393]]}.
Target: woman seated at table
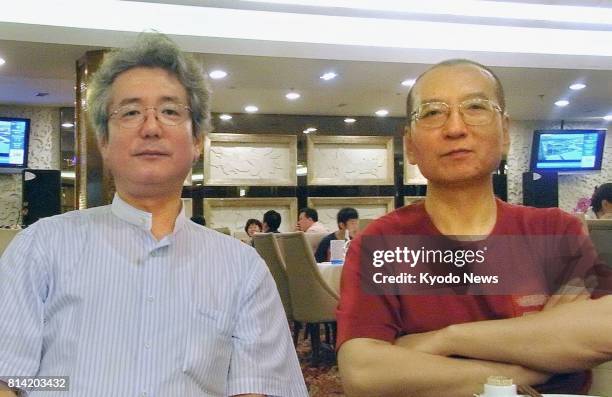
{"points": [[252, 226]]}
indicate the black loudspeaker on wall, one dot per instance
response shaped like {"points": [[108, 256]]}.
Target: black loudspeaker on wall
{"points": [[541, 189], [41, 194]]}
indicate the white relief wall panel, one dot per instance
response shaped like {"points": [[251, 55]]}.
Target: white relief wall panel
{"points": [[43, 153], [248, 159], [367, 207], [347, 160], [234, 212]]}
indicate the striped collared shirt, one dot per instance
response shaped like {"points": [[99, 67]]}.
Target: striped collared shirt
{"points": [[94, 296]]}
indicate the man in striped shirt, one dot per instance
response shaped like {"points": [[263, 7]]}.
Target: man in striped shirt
{"points": [[133, 299]]}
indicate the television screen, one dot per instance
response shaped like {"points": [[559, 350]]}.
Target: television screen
{"points": [[567, 150], [14, 134]]}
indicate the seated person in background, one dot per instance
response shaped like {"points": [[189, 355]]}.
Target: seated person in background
{"points": [[308, 221], [271, 222], [601, 202], [131, 298], [252, 226], [448, 344], [348, 221]]}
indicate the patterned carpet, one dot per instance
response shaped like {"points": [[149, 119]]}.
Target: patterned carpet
{"points": [[323, 380]]}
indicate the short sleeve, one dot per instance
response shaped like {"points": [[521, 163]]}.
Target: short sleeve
{"points": [[23, 290], [263, 358], [322, 249], [360, 314]]}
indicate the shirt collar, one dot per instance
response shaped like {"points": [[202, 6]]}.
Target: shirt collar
{"points": [[140, 218]]}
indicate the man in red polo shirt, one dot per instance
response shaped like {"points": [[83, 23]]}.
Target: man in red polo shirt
{"points": [[447, 344]]}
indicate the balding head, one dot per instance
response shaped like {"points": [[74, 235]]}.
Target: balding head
{"points": [[499, 89]]}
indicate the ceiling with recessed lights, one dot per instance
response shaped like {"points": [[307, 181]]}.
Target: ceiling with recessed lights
{"points": [[270, 49]]}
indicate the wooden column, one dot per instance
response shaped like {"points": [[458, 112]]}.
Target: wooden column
{"points": [[93, 184]]}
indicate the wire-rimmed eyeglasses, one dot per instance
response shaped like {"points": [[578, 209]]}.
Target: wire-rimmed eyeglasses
{"points": [[133, 115], [475, 111]]}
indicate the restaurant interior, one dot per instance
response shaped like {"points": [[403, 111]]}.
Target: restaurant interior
{"points": [[308, 110]]}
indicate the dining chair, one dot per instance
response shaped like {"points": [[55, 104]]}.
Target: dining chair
{"points": [[267, 247], [313, 301]]}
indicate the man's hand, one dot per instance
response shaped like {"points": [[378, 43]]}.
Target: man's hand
{"points": [[575, 290]]}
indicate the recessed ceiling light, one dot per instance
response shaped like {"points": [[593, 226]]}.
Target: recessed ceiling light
{"points": [[2, 61], [349, 120], [577, 86], [608, 117], [328, 76], [408, 82], [382, 112], [292, 96], [67, 125], [309, 130], [225, 117], [562, 103], [217, 74], [251, 109]]}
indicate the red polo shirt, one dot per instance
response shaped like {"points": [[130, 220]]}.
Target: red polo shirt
{"points": [[386, 317]]}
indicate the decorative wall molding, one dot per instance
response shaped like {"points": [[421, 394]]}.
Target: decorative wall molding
{"points": [[234, 212], [250, 160], [350, 160], [368, 207]]}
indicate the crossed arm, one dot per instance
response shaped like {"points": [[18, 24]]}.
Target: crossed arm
{"points": [[527, 349]]}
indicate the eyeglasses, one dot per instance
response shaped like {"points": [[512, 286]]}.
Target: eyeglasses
{"points": [[476, 111], [133, 115]]}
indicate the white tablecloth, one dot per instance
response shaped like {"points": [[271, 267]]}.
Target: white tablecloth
{"points": [[331, 274]]}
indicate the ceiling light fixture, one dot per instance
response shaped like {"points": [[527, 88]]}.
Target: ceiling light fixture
{"points": [[251, 109], [328, 76], [292, 96], [217, 74], [2, 61], [225, 117], [349, 120], [67, 125], [608, 117], [408, 82], [562, 103], [309, 130], [577, 86], [382, 112]]}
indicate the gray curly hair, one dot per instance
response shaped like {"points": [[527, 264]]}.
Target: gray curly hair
{"points": [[151, 50]]}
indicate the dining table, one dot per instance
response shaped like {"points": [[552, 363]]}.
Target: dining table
{"points": [[331, 274]]}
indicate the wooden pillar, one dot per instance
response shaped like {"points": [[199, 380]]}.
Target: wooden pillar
{"points": [[93, 184]]}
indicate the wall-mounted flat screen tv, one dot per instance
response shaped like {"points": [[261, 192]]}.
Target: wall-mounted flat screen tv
{"points": [[14, 134], [567, 150]]}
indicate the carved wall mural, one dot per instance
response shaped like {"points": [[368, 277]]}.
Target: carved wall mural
{"points": [[367, 207], [350, 160], [247, 159], [234, 212]]}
